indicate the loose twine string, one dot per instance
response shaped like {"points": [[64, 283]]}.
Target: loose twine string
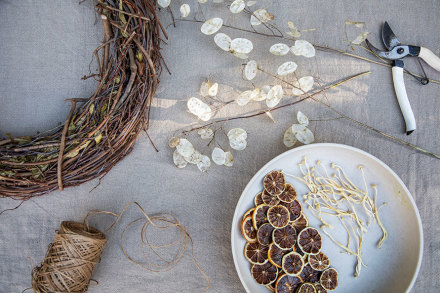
{"points": [[76, 249]]}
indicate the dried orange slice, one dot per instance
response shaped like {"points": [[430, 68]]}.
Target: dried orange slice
{"points": [[258, 200], [248, 230], [297, 249], [288, 195], [287, 284], [309, 240], [293, 263], [285, 237], [256, 253], [278, 216], [320, 289], [248, 213], [264, 234], [306, 288], [300, 223], [294, 208], [329, 279], [319, 261], [269, 199], [275, 255], [259, 217], [264, 274], [309, 275], [274, 183]]}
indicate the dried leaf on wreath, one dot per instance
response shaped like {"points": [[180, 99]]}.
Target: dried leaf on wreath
{"points": [[91, 109], [73, 153], [98, 138]]}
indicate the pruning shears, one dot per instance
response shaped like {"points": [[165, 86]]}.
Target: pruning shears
{"points": [[396, 52]]}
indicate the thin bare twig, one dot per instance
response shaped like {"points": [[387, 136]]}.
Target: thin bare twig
{"points": [[102, 5], [63, 144], [400, 141]]}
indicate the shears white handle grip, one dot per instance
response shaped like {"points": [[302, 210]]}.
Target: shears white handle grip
{"points": [[430, 58], [402, 98]]}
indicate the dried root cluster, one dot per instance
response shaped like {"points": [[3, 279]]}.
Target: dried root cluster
{"points": [[103, 129], [334, 195]]}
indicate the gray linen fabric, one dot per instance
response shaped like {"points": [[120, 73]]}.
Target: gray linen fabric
{"points": [[45, 48]]}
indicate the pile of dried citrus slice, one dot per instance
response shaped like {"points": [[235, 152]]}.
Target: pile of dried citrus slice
{"points": [[284, 252]]}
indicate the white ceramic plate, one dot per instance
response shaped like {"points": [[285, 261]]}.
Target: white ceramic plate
{"points": [[391, 269]]}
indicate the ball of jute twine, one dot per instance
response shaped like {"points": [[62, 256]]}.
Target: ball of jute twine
{"points": [[76, 249], [70, 260]]}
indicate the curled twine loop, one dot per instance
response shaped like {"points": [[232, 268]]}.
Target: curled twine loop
{"points": [[76, 249]]}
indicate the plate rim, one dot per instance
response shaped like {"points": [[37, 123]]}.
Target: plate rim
{"points": [[335, 145]]}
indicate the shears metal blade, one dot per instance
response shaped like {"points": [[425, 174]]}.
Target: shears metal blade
{"points": [[389, 39]]}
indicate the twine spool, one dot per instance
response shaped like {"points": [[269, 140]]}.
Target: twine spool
{"points": [[70, 260]]}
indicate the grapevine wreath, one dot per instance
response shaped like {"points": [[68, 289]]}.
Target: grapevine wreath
{"points": [[101, 130]]}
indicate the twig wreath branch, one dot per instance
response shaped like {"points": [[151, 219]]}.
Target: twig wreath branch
{"points": [[103, 130]]}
